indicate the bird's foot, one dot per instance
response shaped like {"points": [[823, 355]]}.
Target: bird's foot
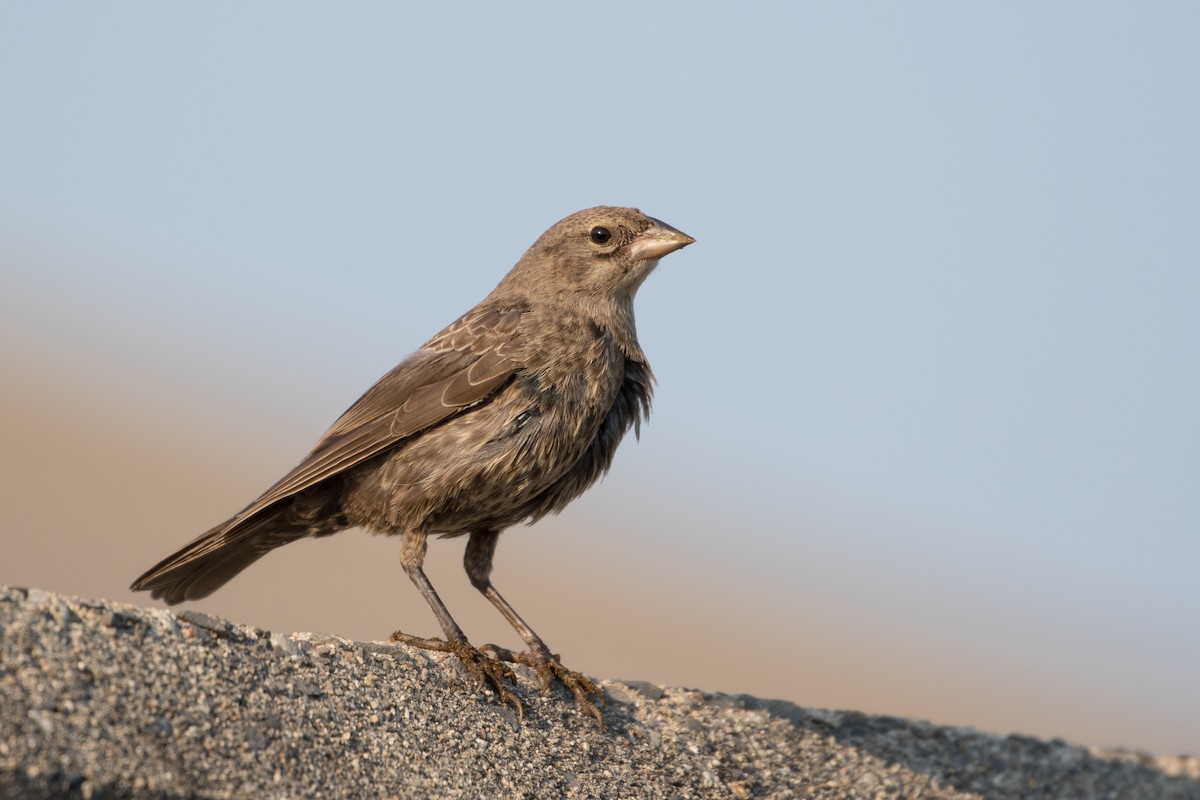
{"points": [[485, 669], [549, 668]]}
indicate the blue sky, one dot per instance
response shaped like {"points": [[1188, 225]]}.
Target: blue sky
{"points": [[928, 377]]}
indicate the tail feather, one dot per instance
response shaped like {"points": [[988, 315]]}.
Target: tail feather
{"points": [[216, 556]]}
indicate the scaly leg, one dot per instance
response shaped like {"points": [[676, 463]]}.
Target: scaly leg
{"points": [[477, 561], [482, 668]]}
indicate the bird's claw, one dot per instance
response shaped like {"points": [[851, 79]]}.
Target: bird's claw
{"points": [[550, 669], [485, 669]]}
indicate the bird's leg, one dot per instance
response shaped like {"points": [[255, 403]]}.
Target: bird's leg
{"points": [[483, 668], [478, 563]]}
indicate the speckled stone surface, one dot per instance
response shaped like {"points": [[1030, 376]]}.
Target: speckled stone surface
{"points": [[100, 699]]}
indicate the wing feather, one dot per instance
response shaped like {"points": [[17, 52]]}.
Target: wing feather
{"points": [[457, 369]]}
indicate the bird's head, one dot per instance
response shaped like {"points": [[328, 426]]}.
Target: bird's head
{"points": [[601, 253]]}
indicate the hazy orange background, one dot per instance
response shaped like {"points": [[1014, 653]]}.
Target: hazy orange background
{"points": [[104, 473]]}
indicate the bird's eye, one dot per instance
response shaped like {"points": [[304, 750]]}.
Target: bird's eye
{"points": [[600, 235]]}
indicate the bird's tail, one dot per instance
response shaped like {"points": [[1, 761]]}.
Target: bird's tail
{"points": [[214, 558]]}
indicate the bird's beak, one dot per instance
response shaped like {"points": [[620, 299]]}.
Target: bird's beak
{"points": [[657, 240]]}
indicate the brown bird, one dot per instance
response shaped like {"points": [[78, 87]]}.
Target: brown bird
{"points": [[508, 414]]}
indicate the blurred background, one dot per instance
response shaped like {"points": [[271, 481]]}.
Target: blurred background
{"points": [[925, 440]]}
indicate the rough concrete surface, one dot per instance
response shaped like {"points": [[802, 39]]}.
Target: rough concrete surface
{"points": [[100, 699]]}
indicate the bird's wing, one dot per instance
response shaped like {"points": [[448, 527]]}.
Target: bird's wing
{"points": [[457, 369]]}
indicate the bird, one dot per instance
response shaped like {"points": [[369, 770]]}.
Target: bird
{"points": [[507, 415]]}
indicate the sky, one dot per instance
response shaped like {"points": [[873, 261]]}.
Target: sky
{"points": [[924, 440]]}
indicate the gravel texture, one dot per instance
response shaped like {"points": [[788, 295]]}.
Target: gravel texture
{"points": [[100, 699]]}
